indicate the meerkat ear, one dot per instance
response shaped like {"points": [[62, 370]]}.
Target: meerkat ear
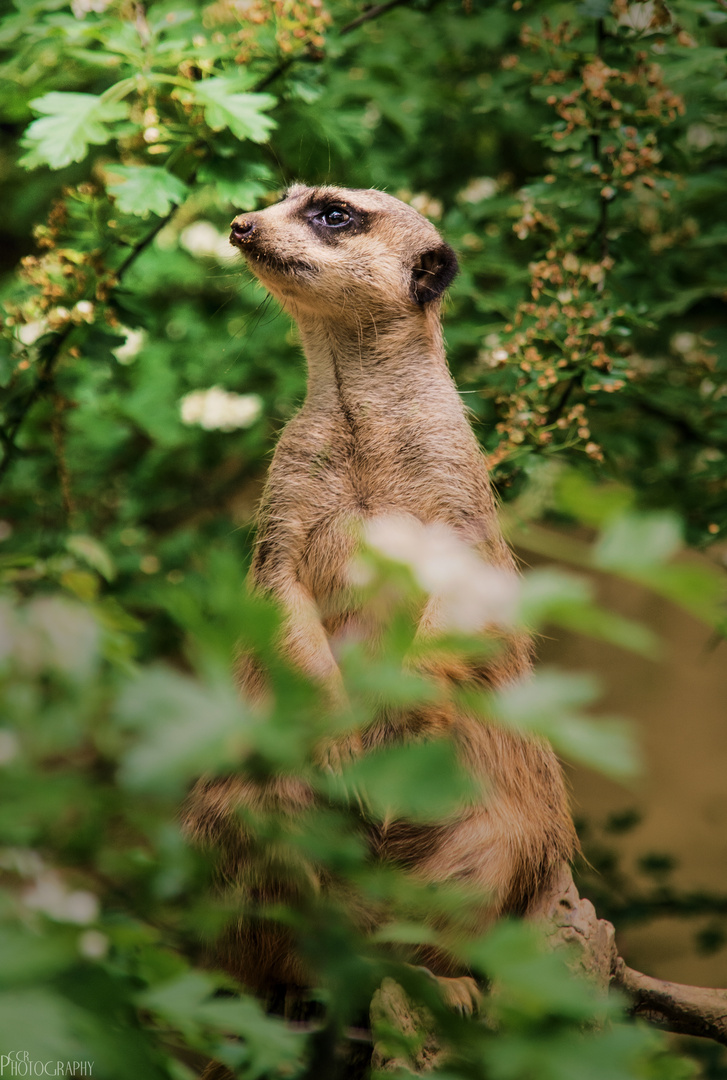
{"points": [[432, 273]]}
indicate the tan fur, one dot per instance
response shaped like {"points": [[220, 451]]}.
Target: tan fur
{"points": [[383, 431]]}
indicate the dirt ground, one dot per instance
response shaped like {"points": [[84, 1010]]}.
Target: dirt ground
{"points": [[679, 709]]}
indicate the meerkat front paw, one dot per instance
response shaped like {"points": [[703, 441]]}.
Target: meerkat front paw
{"points": [[334, 754], [462, 994]]}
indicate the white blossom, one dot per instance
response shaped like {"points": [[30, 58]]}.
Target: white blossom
{"points": [[700, 136], [482, 187], [492, 358], [58, 317], [200, 238], [93, 944], [9, 746], [50, 895], [52, 632], [204, 240], [81, 8], [426, 205], [684, 342], [470, 594], [219, 410], [132, 346], [639, 16], [29, 333], [83, 311]]}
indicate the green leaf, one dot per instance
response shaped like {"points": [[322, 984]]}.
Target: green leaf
{"points": [[28, 956], [547, 693], [545, 705], [93, 553], [188, 727], [270, 1046], [605, 745], [235, 183], [405, 933], [242, 113], [595, 9], [637, 542], [70, 122], [146, 189], [699, 589], [533, 980], [552, 595], [593, 504], [422, 781], [42, 1020]]}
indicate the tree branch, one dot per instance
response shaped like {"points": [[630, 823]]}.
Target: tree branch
{"points": [[682, 424], [570, 922], [686, 1010], [371, 13], [51, 352]]}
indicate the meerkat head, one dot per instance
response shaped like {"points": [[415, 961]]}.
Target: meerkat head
{"points": [[332, 252]]}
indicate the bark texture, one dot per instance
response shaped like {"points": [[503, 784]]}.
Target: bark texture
{"points": [[571, 921]]}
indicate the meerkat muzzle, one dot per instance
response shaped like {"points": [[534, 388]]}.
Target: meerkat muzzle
{"points": [[241, 231]]}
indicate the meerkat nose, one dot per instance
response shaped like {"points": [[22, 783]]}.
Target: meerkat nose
{"points": [[241, 230]]}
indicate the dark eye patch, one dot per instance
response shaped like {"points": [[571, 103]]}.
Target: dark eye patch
{"points": [[332, 219]]}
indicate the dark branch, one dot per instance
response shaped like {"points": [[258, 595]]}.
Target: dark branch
{"points": [[600, 230], [685, 1010], [556, 410], [371, 13], [50, 352], [274, 74], [682, 424], [143, 244]]}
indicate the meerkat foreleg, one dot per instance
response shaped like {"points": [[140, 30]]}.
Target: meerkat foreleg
{"points": [[307, 645]]}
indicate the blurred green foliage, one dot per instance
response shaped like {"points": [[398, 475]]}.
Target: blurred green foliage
{"points": [[575, 159]]}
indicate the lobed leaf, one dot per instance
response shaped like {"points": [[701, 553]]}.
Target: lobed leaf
{"points": [[70, 122], [241, 112], [146, 189]]}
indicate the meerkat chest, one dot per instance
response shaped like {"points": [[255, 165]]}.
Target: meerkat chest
{"points": [[328, 478]]}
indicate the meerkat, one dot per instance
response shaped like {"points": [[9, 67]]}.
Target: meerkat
{"points": [[382, 431]]}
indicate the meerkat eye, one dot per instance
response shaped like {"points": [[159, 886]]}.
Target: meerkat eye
{"points": [[333, 216]]}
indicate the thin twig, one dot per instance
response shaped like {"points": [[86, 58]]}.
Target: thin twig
{"points": [[371, 13], [144, 243], [601, 228], [557, 409], [50, 353], [274, 74], [687, 428], [58, 433]]}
